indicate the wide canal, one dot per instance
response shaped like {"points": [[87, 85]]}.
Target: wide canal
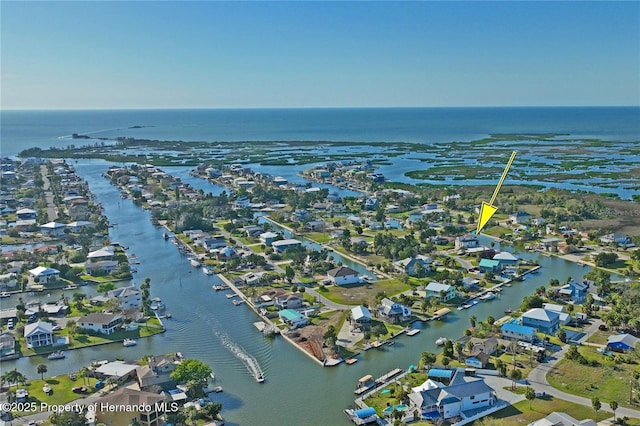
{"points": [[207, 326]]}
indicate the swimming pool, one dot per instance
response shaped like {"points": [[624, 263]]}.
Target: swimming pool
{"points": [[399, 407]]}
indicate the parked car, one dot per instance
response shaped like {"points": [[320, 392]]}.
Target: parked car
{"points": [[602, 327]]}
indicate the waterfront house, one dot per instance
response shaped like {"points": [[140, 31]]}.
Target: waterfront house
{"points": [[361, 317], [242, 202], [477, 360], [489, 265], [281, 245], [393, 312], [293, 318], [78, 209], [100, 323], [488, 345], [7, 345], [410, 266], [343, 275], [289, 301], [514, 331], [466, 242], [104, 253], [128, 297], [544, 321], [315, 226], [550, 244], [371, 203], [38, 334], [463, 398], [101, 266], [142, 408], [520, 218], [622, 342], [253, 231], [212, 243], [575, 291], [442, 292], [53, 229], [157, 370], [42, 275], [268, 238], [565, 318], [506, 260], [78, 225], [470, 283]]}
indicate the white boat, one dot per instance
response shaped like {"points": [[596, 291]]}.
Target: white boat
{"points": [[56, 355], [230, 295], [195, 263], [441, 341], [412, 331], [238, 302], [129, 342], [260, 378], [207, 271], [4, 294], [217, 389], [488, 296]]}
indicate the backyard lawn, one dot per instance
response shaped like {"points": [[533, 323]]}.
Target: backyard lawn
{"points": [[61, 390], [357, 294]]}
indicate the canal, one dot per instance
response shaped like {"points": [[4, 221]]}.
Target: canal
{"points": [[207, 326]]}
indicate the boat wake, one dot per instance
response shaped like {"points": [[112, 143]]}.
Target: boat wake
{"points": [[247, 359]]}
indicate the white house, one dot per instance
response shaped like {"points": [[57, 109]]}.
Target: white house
{"points": [[38, 334], [467, 241], [268, 238], [129, 297], [282, 245], [343, 275], [410, 265], [361, 317], [392, 311], [104, 252], [42, 275], [100, 323], [53, 229]]}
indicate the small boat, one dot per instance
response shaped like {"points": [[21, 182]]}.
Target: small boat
{"points": [[441, 341], [466, 306], [129, 342], [508, 311], [217, 389], [260, 378], [474, 302], [56, 355], [165, 236], [207, 271], [507, 285], [412, 331], [195, 263], [4, 294], [350, 361], [212, 375], [231, 295], [238, 302], [488, 296], [219, 287]]}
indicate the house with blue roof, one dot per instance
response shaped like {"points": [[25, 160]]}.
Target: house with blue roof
{"points": [[515, 331], [544, 321]]}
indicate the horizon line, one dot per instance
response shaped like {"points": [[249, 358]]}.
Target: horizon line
{"points": [[311, 107]]}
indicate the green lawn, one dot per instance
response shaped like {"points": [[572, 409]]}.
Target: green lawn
{"points": [[521, 414], [356, 294], [609, 381], [61, 387], [319, 237]]}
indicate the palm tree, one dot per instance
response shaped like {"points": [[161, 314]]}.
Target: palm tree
{"points": [[72, 328], [12, 377], [472, 320], [530, 394], [41, 369], [516, 375]]}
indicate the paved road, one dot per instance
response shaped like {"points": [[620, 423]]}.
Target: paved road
{"points": [[538, 380], [48, 195]]}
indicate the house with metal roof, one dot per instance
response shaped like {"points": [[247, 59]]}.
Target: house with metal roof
{"points": [[282, 245], [562, 419], [42, 275], [489, 265], [293, 318], [442, 292], [410, 266], [101, 323], [622, 342], [53, 229], [542, 320], [393, 312], [38, 334], [518, 332], [361, 317], [506, 259]]}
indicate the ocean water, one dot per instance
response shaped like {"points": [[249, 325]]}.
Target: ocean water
{"points": [[44, 129]]}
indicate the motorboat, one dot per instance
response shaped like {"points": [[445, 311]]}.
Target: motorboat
{"points": [[488, 296], [217, 389], [4, 294], [207, 271], [195, 263], [441, 341], [129, 342], [260, 378], [56, 355]]}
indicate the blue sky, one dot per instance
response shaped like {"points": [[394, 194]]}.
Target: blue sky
{"points": [[318, 54]]}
